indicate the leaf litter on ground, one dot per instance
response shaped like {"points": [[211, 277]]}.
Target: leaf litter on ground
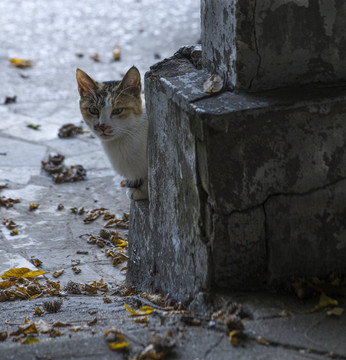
{"points": [[59, 172], [69, 131], [7, 202]]}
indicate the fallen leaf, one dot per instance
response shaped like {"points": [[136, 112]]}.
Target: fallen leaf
{"points": [[69, 130], [106, 300], [237, 337], [326, 301], [119, 258], [93, 215], [262, 341], [141, 320], [92, 322], [30, 340], [38, 311], [119, 345], [10, 100], [60, 173], [117, 339], [158, 348], [58, 273], [33, 126], [337, 311], [157, 299], [33, 206], [16, 273], [3, 335], [6, 284], [76, 270], [54, 333], [43, 327], [80, 328], [95, 57], [28, 329], [36, 261], [21, 63], [34, 273], [61, 324], [116, 53], [120, 243], [144, 310]]}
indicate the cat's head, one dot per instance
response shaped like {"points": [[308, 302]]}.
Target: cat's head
{"points": [[110, 108]]}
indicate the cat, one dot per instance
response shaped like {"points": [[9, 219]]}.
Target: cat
{"points": [[115, 113]]}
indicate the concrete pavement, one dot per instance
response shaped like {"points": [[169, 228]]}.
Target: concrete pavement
{"points": [[59, 36]]}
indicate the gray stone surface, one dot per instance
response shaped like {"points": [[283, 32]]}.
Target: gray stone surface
{"points": [[262, 174], [266, 44]]}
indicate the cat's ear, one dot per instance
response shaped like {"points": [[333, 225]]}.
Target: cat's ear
{"points": [[131, 83], [85, 83]]}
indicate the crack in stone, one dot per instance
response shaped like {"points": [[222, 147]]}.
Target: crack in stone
{"points": [[303, 350], [304, 193], [217, 343]]}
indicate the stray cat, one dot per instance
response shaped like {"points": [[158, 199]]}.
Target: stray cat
{"points": [[115, 112]]}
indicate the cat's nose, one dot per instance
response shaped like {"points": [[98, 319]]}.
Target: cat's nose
{"points": [[103, 127]]}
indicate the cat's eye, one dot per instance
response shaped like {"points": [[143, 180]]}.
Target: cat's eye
{"points": [[93, 110], [117, 111]]}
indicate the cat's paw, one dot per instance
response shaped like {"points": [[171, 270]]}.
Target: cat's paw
{"points": [[136, 194]]}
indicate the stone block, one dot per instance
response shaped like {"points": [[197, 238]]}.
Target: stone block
{"points": [[267, 44], [245, 189]]}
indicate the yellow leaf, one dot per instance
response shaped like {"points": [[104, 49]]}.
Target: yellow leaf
{"points": [[23, 291], [31, 329], [16, 272], [33, 206], [144, 310], [6, 284], [337, 311], [30, 340], [120, 243], [21, 63], [34, 273], [326, 301], [117, 334], [35, 296], [262, 341], [233, 337], [119, 345], [38, 311]]}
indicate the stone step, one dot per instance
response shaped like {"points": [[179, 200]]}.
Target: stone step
{"points": [[247, 189]]}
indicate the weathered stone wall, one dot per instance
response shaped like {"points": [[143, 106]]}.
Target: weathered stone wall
{"points": [[271, 43], [247, 185], [246, 189]]}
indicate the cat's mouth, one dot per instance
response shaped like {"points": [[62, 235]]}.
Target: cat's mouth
{"points": [[105, 135]]}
